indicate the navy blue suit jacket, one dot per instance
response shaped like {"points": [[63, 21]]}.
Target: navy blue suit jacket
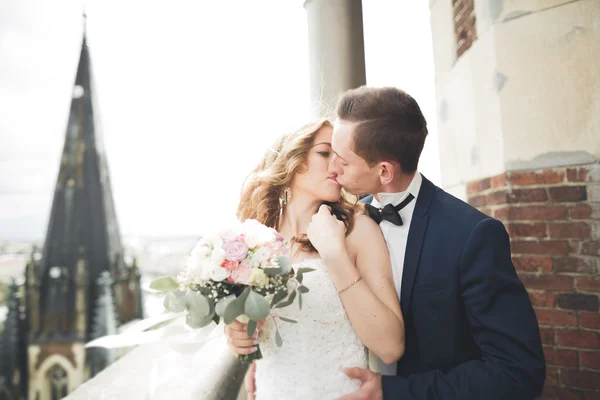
{"points": [[471, 332]]}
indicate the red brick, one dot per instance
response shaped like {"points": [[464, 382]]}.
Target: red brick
{"points": [[565, 358], [535, 178], [496, 198], [574, 264], [587, 284], [577, 301], [590, 359], [498, 181], [550, 392], [592, 395], [591, 248], [556, 318], [569, 230], [533, 263], [582, 379], [541, 299], [547, 335], [589, 320], [580, 339], [551, 376], [478, 201], [474, 187], [569, 394], [537, 229], [527, 195], [580, 211], [568, 193], [557, 283], [576, 174], [531, 212], [486, 211], [574, 246], [550, 247]]}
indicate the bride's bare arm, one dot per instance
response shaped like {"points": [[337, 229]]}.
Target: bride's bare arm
{"points": [[371, 303]]}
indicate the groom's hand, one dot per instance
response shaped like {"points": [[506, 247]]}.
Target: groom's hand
{"points": [[238, 340], [370, 389], [326, 232]]}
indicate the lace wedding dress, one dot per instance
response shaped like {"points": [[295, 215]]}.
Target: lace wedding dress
{"points": [[310, 363]]}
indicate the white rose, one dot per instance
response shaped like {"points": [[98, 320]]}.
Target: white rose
{"points": [[256, 234], [200, 251], [198, 268], [260, 256], [259, 278], [217, 257], [219, 274]]}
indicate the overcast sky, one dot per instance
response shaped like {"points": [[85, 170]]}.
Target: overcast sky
{"points": [[190, 94]]}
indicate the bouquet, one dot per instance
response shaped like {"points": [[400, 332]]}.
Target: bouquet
{"points": [[241, 273]]}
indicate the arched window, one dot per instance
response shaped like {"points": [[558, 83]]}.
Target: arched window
{"points": [[59, 382]]}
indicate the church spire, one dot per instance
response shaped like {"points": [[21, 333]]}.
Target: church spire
{"points": [[82, 215]]}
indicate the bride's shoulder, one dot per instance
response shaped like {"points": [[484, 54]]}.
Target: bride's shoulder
{"points": [[364, 231]]}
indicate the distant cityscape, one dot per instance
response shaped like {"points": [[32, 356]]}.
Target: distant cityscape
{"points": [[156, 256]]}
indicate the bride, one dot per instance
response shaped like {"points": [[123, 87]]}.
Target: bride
{"points": [[352, 305]]}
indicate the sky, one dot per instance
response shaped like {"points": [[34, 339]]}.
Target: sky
{"points": [[190, 94]]}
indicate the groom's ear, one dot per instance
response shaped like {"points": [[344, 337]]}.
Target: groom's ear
{"points": [[387, 172]]}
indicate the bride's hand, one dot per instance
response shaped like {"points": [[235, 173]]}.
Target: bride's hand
{"points": [[326, 232], [238, 340]]}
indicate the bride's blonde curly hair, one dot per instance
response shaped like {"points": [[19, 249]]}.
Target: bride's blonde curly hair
{"points": [[266, 185]]}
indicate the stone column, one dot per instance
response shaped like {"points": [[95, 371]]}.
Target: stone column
{"points": [[519, 124], [336, 51]]}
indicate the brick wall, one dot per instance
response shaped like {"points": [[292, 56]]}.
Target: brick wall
{"points": [[553, 218], [464, 24]]}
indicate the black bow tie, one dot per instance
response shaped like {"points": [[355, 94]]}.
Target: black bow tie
{"points": [[389, 212]]}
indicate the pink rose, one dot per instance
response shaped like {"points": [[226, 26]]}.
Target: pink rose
{"points": [[235, 249], [278, 236], [241, 275], [230, 265]]}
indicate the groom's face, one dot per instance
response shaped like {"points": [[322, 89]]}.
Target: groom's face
{"points": [[353, 172]]}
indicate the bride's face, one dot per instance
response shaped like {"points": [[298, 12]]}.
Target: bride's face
{"points": [[315, 179]]}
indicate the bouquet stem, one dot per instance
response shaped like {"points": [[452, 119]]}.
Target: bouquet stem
{"points": [[250, 358]]}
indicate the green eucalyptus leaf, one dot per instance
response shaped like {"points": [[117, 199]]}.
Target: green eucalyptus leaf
{"points": [[278, 297], [256, 306], [273, 271], [175, 301], [164, 284], [278, 339], [251, 328], [299, 277], [198, 322], [233, 310], [222, 304], [284, 262], [198, 305], [300, 300], [291, 321], [216, 319], [303, 289], [287, 302], [305, 270]]}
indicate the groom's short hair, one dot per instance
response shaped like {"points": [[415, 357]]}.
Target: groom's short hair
{"points": [[390, 125]]}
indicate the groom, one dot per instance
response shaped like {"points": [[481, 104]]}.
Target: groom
{"points": [[471, 332]]}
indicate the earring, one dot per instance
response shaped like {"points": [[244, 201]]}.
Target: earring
{"points": [[284, 198]]}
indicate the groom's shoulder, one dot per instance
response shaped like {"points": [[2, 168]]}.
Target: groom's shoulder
{"points": [[448, 207]]}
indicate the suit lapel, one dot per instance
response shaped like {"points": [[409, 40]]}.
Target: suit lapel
{"points": [[416, 234]]}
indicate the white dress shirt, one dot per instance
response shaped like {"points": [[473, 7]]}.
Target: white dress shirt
{"points": [[396, 238]]}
